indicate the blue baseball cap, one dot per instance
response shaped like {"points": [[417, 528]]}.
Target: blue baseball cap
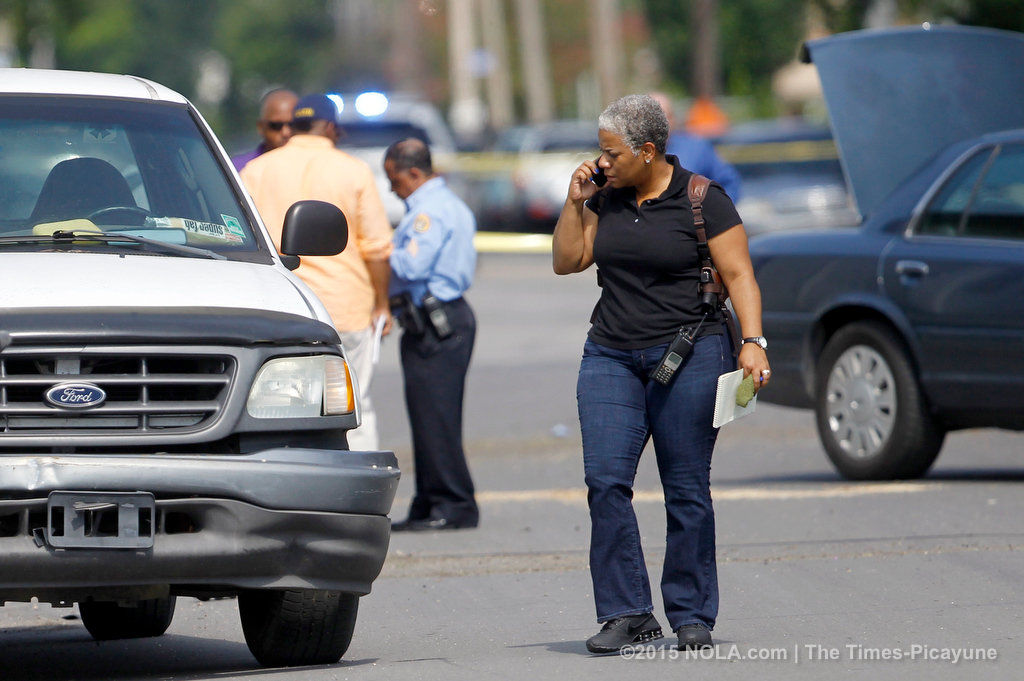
{"points": [[316, 107]]}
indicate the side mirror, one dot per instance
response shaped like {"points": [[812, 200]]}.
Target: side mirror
{"points": [[314, 228]]}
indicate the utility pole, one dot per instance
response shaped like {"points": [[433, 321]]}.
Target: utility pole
{"points": [[407, 60], [705, 54], [499, 83], [705, 117], [534, 54], [467, 116], [355, 36], [606, 47], [880, 14]]}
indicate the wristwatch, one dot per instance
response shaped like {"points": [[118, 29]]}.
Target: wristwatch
{"points": [[761, 341]]}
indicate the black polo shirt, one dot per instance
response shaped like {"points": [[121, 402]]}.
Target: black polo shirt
{"points": [[648, 262]]}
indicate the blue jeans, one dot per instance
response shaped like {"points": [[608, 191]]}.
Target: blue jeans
{"points": [[620, 409]]}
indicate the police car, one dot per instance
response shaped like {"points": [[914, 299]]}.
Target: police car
{"points": [[371, 121]]}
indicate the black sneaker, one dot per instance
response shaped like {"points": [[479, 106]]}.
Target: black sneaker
{"points": [[618, 633], [693, 636]]}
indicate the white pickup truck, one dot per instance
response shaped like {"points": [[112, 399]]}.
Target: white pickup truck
{"points": [[173, 400]]}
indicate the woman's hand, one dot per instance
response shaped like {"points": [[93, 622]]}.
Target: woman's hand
{"points": [[754, 360], [572, 244], [581, 188]]}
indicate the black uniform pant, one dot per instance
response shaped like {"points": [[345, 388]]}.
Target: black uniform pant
{"points": [[435, 377]]}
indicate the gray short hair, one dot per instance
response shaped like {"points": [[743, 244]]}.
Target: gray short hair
{"points": [[636, 119]]}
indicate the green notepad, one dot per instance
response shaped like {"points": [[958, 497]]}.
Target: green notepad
{"points": [[745, 392]]}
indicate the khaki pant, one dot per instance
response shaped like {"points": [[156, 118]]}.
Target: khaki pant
{"points": [[359, 350]]}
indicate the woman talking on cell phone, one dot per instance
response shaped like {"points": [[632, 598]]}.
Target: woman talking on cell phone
{"points": [[639, 229]]}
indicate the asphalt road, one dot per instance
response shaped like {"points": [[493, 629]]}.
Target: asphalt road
{"points": [[819, 577]]}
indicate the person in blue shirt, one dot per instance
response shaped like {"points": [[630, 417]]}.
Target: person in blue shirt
{"points": [[432, 265], [697, 155]]}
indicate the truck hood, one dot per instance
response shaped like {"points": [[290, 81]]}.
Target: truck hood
{"points": [[896, 97], [60, 280]]}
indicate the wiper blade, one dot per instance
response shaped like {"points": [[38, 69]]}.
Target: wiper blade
{"points": [[109, 237], [64, 235]]}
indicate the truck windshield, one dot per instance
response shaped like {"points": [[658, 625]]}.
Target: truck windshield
{"points": [[113, 165]]}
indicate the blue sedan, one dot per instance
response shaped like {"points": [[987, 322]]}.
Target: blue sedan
{"points": [[912, 324]]}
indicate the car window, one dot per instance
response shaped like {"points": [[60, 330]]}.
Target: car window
{"points": [[379, 133], [998, 207], [944, 213], [984, 198], [569, 143], [116, 165], [511, 139]]}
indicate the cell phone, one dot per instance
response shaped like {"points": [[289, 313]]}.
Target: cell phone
{"points": [[437, 316], [598, 177]]}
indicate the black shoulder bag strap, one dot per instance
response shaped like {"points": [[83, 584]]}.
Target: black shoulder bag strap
{"points": [[713, 291]]}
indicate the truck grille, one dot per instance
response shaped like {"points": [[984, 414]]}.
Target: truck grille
{"points": [[146, 392]]}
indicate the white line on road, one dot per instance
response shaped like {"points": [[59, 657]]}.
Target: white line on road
{"points": [[579, 495]]}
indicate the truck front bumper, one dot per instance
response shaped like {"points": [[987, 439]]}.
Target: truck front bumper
{"points": [[279, 518]]}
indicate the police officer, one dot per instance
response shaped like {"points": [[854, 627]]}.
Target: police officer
{"points": [[432, 265]]}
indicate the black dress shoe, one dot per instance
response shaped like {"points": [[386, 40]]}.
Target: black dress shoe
{"points": [[618, 633], [430, 524], [693, 636]]}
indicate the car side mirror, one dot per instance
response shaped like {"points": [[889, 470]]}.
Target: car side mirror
{"points": [[313, 228]]}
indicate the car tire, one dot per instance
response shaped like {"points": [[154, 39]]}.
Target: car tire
{"points": [[297, 626], [871, 416], [108, 620]]}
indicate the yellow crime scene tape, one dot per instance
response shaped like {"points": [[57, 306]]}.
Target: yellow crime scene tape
{"points": [[506, 242], [768, 152], [490, 164]]}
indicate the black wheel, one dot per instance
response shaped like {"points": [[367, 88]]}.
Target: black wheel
{"points": [[107, 620], [297, 626], [871, 416]]}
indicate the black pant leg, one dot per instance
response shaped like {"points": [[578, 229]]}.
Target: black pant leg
{"points": [[435, 375]]}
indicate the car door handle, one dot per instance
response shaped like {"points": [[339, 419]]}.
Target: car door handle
{"points": [[912, 268]]}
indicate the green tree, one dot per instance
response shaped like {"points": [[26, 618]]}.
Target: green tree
{"points": [[271, 44], [848, 15], [264, 43], [756, 38]]}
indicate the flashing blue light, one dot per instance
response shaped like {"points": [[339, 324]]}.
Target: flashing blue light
{"points": [[371, 104], [338, 102]]}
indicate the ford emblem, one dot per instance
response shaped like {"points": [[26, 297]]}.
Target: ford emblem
{"points": [[75, 396]]}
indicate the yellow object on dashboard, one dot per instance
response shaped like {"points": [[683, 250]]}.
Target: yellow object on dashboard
{"points": [[76, 225]]}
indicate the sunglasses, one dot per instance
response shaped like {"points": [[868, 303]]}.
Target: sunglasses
{"points": [[276, 126]]}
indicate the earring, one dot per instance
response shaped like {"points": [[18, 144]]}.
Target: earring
{"points": [[647, 161]]}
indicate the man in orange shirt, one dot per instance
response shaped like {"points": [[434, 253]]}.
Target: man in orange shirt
{"points": [[353, 285]]}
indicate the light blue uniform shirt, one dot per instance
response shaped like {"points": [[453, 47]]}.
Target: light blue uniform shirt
{"points": [[433, 244]]}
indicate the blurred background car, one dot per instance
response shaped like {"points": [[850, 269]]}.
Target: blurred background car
{"points": [[533, 164], [908, 326], [371, 121], [792, 178]]}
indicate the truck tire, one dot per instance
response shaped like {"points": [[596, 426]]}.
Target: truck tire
{"points": [[108, 620], [297, 626], [872, 418]]}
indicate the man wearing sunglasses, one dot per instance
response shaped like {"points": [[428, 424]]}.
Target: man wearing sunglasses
{"points": [[275, 124]]}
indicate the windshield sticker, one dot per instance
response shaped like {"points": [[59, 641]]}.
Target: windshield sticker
{"points": [[233, 225], [197, 230], [100, 134]]}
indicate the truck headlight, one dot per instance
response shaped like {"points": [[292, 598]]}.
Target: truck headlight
{"points": [[301, 387]]}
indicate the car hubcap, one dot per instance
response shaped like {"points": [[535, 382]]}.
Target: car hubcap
{"points": [[861, 401]]}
